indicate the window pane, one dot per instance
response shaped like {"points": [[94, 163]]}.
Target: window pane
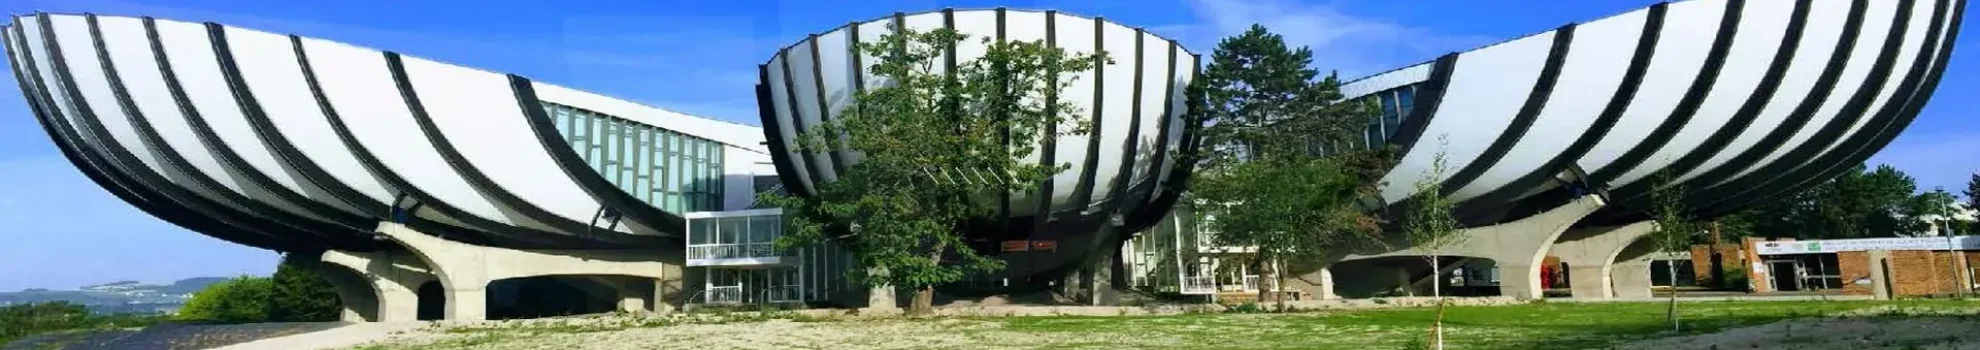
{"points": [[732, 230], [701, 230]]}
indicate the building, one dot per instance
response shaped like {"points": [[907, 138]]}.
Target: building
{"points": [[1555, 140], [432, 190]]}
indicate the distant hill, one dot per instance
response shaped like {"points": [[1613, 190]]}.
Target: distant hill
{"points": [[118, 297]]}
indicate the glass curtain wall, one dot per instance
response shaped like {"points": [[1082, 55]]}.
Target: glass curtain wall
{"points": [[670, 170]]}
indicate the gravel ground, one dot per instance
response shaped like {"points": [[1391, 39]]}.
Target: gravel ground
{"points": [[168, 336]]}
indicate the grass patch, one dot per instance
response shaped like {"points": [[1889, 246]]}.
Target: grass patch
{"points": [[1523, 326]]}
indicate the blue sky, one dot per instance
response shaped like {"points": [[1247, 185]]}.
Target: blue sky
{"points": [[699, 57]]}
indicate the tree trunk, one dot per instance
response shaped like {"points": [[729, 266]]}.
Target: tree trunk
{"points": [[1437, 293], [1279, 285], [924, 301], [1264, 271], [1671, 310], [924, 298]]}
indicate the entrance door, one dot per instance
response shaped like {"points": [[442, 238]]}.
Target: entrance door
{"points": [[1784, 275]]}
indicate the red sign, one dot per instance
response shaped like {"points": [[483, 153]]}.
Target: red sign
{"points": [[1044, 245], [1016, 246]]}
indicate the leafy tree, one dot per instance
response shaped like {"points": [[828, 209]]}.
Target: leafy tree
{"points": [[1430, 226], [300, 295], [1674, 232], [1928, 211], [1973, 198], [980, 117], [240, 300], [1266, 111]]}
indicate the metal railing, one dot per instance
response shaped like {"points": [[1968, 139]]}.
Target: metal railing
{"points": [[732, 251], [783, 294], [1199, 284], [723, 295]]}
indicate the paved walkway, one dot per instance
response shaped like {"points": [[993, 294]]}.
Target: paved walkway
{"points": [[340, 337]]}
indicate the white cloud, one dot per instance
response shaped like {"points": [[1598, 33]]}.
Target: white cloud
{"points": [[1355, 45]]}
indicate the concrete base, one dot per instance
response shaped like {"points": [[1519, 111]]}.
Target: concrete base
{"points": [[1590, 254], [393, 278], [1517, 247], [880, 299], [465, 270]]}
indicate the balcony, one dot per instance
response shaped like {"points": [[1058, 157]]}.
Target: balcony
{"points": [[764, 253], [1199, 285], [1250, 282], [723, 295], [734, 238]]}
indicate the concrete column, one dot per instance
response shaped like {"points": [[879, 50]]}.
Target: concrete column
{"points": [[1517, 247], [1631, 279], [464, 270], [1318, 283], [1591, 252], [880, 299], [394, 278], [1880, 281], [467, 303]]}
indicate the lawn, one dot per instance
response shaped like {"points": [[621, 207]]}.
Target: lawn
{"points": [[1527, 326]]}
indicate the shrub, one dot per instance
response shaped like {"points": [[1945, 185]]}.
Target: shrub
{"points": [[240, 300], [19, 321], [300, 295]]}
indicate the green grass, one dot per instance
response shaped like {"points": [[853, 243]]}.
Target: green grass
{"points": [[1525, 326]]}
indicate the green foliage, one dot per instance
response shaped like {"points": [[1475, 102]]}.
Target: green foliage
{"points": [[1734, 277], [1973, 199], [1264, 112], [1430, 223], [300, 295], [1859, 203], [1675, 230], [240, 300], [982, 116], [18, 321], [1934, 205]]}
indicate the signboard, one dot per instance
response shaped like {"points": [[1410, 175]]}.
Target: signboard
{"points": [[1866, 244], [1045, 245], [1017, 246]]}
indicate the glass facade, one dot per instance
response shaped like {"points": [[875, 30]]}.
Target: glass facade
{"points": [[670, 170], [1395, 104]]}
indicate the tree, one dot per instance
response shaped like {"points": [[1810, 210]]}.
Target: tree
{"points": [[1674, 232], [243, 299], [300, 295], [980, 117], [1973, 198], [1430, 226], [1265, 112]]}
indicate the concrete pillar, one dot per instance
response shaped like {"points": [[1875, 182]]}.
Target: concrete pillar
{"points": [[879, 299], [1517, 247], [394, 278], [1316, 282], [1591, 253], [1880, 274], [1631, 279], [464, 270], [467, 303]]}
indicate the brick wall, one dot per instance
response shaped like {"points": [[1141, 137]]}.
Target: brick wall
{"points": [[1913, 272], [1920, 273], [1854, 266], [1730, 257]]}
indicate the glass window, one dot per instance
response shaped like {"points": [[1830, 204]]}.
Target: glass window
{"points": [[765, 228], [701, 230], [732, 229]]}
